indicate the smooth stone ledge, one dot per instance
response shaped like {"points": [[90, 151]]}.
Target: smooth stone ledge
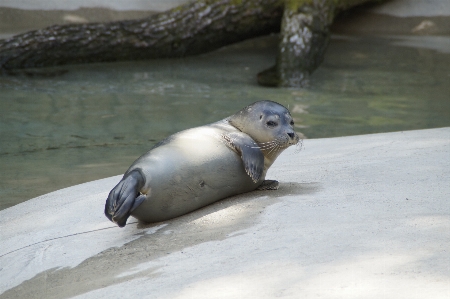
{"points": [[415, 8], [153, 5], [355, 217]]}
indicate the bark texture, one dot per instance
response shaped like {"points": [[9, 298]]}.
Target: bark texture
{"points": [[192, 28], [305, 33], [305, 37], [189, 29]]}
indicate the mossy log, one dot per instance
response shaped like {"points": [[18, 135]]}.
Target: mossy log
{"points": [[305, 33], [193, 28]]}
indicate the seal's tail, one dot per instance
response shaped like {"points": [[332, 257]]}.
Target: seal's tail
{"points": [[124, 198]]}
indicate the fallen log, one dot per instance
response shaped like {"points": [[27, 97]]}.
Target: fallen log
{"points": [[189, 29], [193, 28]]}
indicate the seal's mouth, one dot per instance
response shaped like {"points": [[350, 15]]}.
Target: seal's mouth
{"points": [[278, 144], [294, 140]]}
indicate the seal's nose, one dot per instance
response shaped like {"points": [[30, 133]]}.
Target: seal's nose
{"points": [[292, 135]]}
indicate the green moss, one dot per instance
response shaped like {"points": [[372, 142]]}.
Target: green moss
{"points": [[236, 2]]}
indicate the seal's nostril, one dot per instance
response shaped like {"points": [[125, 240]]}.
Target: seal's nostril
{"points": [[291, 135]]}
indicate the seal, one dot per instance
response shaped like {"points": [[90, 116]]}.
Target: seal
{"points": [[199, 166]]}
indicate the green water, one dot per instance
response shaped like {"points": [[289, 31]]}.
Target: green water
{"points": [[95, 120]]}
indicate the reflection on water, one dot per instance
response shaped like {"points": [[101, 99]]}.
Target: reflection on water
{"points": [[95, 120]]}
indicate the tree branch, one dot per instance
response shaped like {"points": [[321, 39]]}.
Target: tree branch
{"points": [[189, 29]]}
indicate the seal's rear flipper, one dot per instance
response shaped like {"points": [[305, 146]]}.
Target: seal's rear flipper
{"points": [[124, 198]]}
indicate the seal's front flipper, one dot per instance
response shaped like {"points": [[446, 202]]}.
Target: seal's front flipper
{"points": [[269, 185], [124, 198], [250, 153]]}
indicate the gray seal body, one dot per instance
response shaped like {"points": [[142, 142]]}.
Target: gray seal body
{"points": [[199, 166]]}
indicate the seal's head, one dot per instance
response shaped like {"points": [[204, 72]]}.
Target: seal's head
{"points": [[269, 124]]}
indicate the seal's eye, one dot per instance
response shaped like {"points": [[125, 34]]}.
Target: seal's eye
{"points": [[271, 123], [292, 122]]}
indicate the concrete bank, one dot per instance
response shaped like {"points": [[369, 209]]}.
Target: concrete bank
{"points": [[355, 217]]}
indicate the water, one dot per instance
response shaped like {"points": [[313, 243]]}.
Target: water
{"points": [[94, 120]]}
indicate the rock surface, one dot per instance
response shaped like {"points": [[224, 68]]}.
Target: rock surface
{"points": [[355, 217]]}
